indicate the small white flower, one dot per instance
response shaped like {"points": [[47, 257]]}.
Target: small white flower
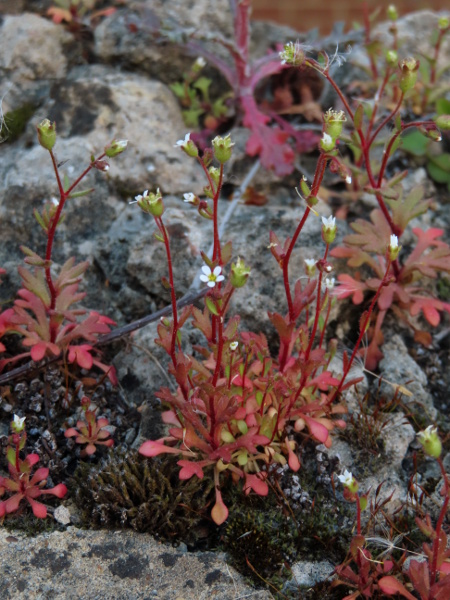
{"points": [[139, 197], [330, 222], [189, 197], [329, 283], [183, 143], [394, 242], [310, 262], [19, 421], [233, 346], [348, 179], [346, 478], [54, 201], [200, 62], [211, 278]]}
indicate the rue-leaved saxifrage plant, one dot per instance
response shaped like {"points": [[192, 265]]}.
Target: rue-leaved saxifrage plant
{"points": [[236, 407], [22, 483], [43, 314]]}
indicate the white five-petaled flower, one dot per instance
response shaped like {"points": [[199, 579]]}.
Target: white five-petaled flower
{"points": [[190, 197], [310, 262], [183, 143], [394, 242], [346, 478], [330, 222], [233, 346], [211, 277], [139, 197], [18, 423]]}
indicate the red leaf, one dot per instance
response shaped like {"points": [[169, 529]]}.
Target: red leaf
{"points": [[189, 469], [153, 448], [389, 585], [256, 483], [219, 512], [39, 510]]}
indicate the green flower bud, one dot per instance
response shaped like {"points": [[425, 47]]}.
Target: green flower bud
{"points": [[393, 248], [391, 58], [239, 274], [430, 441], [328, 229], [18, 424], [151, 203], [443, 23], [334, 122], [431, 131], [408, 77], [222, 148], [115, 148], [46, 134], [392, 12], [327, 143], [443, 122], [215, 175]]}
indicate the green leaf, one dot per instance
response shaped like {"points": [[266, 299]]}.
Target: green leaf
{"points": [[443, 106], [81, 194], [415, 143], [438, 168], [358, 117], [11, 456], [211, 306]]}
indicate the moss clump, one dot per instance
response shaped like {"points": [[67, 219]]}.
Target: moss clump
{"points": [[128, 490], [15, 122], [27, 523]]}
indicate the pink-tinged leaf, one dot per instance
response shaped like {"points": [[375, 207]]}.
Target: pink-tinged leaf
{"points": [[39, 510], [350, 287], [293, 460], [390, 585], [90, 449], [430, 308], [12, 504], [81, 355], [39, 350], [2, 509], [70, 432], [102, 422], [256, 483], [59, 491], [319, 431], [189, 469], [445, 569], [154, 448], [219, 512], [32, 459], [40, 475]]}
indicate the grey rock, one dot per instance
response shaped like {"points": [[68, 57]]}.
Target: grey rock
{"points": [[308, 574], [94, 565]]}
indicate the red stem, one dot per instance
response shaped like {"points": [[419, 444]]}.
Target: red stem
{"points": [[363, 330], [318, 305], [437, 541]]}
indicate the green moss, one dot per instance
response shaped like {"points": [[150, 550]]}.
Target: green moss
{"points": [[15, 122], [30, 525], [128, 490]]}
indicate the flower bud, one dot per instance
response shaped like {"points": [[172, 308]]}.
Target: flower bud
{"points": [[214, 173], [334, 122], [310, 266], [46, 131], [408, 77], [239, 274], [393, 248], [151, 203], [328, 229], [222, 148], [392, 13], [430, 441], [443, 122], [18, 424], [391, 58], [443, 23], [327, 143], [115, 148], [199, 64], [431, 131]]}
